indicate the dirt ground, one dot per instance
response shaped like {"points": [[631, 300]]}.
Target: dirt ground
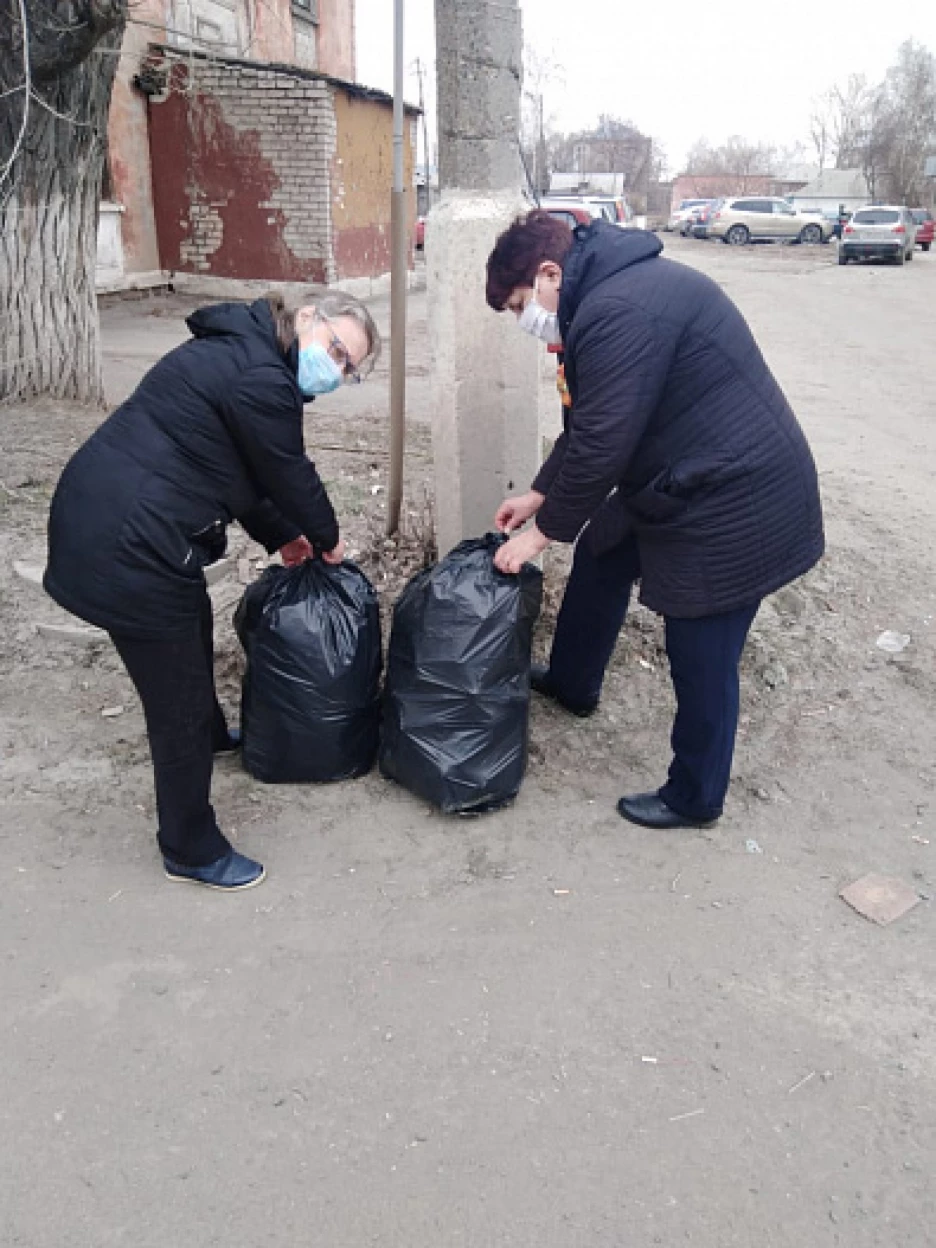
{"points": [[540, 1029]]}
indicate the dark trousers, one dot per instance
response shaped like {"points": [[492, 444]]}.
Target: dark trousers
{"points": [[704, 656], [185, 723]]}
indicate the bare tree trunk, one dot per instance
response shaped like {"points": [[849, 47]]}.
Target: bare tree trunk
{"points": [[49, 197]]}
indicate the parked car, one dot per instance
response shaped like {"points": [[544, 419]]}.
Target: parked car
{"points": [[699, 226], [837, 222], [925, 222], [571, 214], [681, 214], [755, 217], [420, 233], [882, 232], [692, 216], [597, 207]]}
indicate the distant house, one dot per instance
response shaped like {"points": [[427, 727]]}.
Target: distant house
{"points": [[725, 185], [834, 188], [587, 184]]}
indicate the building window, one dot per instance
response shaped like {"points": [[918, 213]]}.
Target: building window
{"points": [[307, 9]]}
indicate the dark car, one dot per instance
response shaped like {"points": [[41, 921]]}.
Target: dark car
{"points": [[693, 217], [926, 227], [701, 218]]}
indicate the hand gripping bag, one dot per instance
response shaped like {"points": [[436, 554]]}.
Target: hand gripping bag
{"points": [[311, 694], [457, 695]]}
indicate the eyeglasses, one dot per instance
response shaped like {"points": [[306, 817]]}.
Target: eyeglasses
{"points": [[351, 376]]}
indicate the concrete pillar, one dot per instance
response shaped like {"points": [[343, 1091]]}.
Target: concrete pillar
{"points": [[485, 371]]}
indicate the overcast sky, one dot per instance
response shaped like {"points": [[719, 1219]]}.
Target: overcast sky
{"points": [[682, 69]]}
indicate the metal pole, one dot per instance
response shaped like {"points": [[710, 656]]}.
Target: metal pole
{"points": [[399, 267]]}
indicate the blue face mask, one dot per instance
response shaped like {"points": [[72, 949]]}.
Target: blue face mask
{"points": [[318, 373]]}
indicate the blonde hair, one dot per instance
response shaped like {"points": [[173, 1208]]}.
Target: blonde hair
{"points": [[331, 304]]}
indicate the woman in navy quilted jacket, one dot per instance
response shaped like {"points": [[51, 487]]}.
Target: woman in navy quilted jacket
{"points": [[212, 434], [681, 466]]}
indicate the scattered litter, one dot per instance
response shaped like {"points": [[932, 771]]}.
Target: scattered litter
{"points": [[693, 1113], [891, 642], [375, 489], [672, 887], [561, 892], [111, 712], [879, 898], [651, 1061], [752, 847], [775, 675], [644, 664], [802, 1083], [920, 840], [78, 633], [114, 896]]}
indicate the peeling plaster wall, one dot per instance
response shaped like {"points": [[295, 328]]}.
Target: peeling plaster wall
{"points": [[128, 144], [241, 159]]}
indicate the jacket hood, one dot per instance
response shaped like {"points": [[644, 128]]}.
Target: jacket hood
{"points": [[237, 320], [600, 250]]}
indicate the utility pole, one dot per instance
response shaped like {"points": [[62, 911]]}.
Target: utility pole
{"points": [[485, 423], [399, 273]]}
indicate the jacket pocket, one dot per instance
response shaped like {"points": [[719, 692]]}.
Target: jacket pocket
{"points": [[210, 543], [672, 490], [655, 503]]}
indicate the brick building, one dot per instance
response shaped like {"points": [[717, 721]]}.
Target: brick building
{"points": [[725, 185], [269, 172], [220, 91]]}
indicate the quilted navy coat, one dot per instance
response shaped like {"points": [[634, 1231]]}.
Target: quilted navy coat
{"points": [[678, 433], [213, 433]]}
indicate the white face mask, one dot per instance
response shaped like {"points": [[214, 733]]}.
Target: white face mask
{"points": [[536, 320]]}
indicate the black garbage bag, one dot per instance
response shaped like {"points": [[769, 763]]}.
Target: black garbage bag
{"points": [[457, 696], [311, 696]]}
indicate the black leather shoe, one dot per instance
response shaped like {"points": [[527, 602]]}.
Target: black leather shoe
{"points": [[540, 683], [650, 811], [231, 873], [232, 744]]}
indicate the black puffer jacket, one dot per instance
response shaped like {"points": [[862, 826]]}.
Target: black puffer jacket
{"points": [[213, 433], [674, 407]]}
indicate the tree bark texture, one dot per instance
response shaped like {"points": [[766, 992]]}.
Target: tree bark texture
{"points": [[54, 102]]}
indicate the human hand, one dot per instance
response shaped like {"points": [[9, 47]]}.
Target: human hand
{"points": [[335, 556], [525, 546], [297, 551], [514, 512]]}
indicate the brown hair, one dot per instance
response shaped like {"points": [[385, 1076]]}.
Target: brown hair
{"points": [[331, 304], [519, 252]]}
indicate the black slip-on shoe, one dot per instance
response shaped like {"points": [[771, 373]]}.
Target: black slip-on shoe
{"points": [[540, 683], [650, 811], [231, 873]]}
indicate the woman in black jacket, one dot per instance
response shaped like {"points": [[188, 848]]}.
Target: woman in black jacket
{"points": [[212, 434], [682, 457]]}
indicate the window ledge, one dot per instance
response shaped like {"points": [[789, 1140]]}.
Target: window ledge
{"points": [[308, 15]]}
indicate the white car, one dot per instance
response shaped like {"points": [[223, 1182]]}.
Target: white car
{"points": [[679, 218], [598, 207], [885, 232]]}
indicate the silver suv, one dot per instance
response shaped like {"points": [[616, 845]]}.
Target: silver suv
{"points": [[885, 232], [747, 218]]}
